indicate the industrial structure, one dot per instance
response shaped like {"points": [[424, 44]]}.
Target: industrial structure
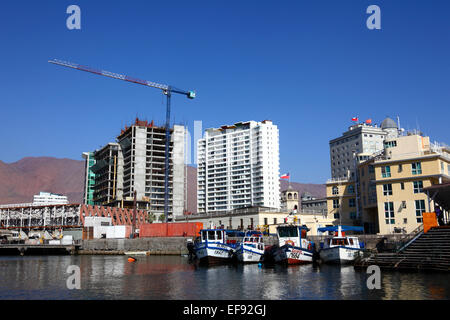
{"points": [[63, 216], [238, 166], [136, 163], [166, 89]]}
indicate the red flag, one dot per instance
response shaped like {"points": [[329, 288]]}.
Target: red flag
{"points": [[355, 119], [369, 121]]}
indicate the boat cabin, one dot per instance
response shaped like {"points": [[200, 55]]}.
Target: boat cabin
{"points": [[219, 236], [292, 235]]}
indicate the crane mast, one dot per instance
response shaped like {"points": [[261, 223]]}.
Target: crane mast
{"points": [[167, 91]]}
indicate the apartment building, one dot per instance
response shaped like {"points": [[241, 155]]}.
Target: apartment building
{"points": [[238, 166], [360, 138], [48, 198], [387, 194], [136, 163]]}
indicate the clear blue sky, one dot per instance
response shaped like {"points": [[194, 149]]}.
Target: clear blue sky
{"points": [[307, 65]]}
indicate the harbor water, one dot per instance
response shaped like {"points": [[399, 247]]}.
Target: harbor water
{"points": [[173, 277]]}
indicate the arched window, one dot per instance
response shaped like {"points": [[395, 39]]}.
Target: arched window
{"points": [[295, 196], [289, 196]]}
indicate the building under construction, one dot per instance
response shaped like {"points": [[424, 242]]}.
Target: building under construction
{"points": [[136, 163]]}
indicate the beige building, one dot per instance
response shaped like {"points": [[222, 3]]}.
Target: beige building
{"points": [[387, 196]]}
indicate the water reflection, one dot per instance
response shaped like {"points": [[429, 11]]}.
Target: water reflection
{"points": [[165, 277]]}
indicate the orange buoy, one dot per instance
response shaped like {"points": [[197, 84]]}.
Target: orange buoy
{"points": [[130, 259]]}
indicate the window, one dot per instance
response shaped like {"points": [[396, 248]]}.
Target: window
{"points": [[386, 172], [351, 189], [353, 215], [405, 220], [265, 221], [336, 203], [400, 168], [371, 169], [389, 212], [416, 168], [274, 220], [211, 235], [336, 215], [335, 190], [418, 186], [351, 203], [219, 235], [402, 185], [420, 209], [404, 204], [390, 144], [387, 189]]}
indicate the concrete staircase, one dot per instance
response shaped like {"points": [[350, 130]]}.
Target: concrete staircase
{"points": [[429, 251]]}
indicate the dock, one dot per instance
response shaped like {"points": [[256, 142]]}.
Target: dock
{"points": [[429, 251], [37, 249]]}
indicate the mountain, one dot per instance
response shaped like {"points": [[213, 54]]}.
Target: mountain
{"points": [[20, 180]]}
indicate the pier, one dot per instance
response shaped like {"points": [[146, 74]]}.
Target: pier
{"points": [[38, 249], [429, 251]]}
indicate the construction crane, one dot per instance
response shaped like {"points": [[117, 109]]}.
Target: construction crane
{"points": [[167, 91]]}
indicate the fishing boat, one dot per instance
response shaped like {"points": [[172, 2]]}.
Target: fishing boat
{"points": [[251, 249], [293, 247], [213, 246], [341, 248]]}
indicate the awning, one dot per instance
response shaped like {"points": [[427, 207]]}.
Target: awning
{"points": [[440, 194], [343, 228]]}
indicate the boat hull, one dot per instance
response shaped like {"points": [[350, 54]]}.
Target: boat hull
{"points": [[249, 254], [293, 255], [340, 254], [212, 253]]}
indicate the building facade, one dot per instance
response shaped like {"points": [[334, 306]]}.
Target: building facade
{"points": [[387, 194], [238, 166], [48, 198], [89, 178], [136, 163], [360, 138]]}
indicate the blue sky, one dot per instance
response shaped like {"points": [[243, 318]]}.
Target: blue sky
{"points": [[309, 66]]}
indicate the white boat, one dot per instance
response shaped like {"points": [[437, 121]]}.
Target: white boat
{"points": [[341, 248], [251, 249], [293, 248], [213, 246]]}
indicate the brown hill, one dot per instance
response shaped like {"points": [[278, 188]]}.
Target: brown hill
{"points": [[20, 180]]}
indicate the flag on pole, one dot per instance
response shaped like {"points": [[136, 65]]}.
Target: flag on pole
{"points": [[285, 176], [355, 119], [369, 121]]}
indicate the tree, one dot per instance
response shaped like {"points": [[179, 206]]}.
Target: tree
{"points": [[162, 217], [151, 217]]}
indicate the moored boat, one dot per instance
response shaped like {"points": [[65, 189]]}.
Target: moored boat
{"points": [[293, 247], [340, 248], [213, 246], [251, 249]]}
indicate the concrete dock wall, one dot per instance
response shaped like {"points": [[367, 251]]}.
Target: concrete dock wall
{"points": [[156, 246]]}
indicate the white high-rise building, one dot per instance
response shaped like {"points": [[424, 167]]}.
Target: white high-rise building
{"points": [[47, 198], [238, 166]]}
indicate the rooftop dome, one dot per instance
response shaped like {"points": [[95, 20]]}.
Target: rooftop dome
{"points": [[388, 123]]}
